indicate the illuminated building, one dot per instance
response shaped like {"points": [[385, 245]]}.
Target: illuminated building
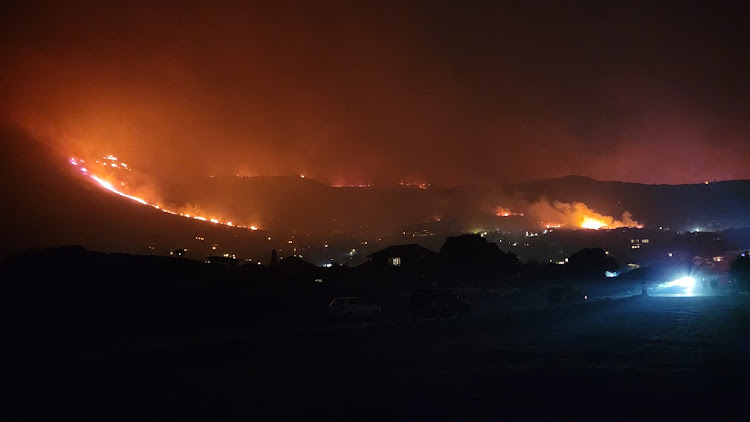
{"points": [[403, 257]]}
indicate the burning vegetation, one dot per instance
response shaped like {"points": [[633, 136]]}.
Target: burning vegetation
{"points": [[112, 174], [576, 215], [557, 214], [503, 212]]}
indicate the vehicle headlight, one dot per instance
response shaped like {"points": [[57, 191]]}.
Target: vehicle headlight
{"points": [[687, 283]]}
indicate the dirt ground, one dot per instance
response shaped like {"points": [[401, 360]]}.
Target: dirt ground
{"points": [[633, 357]]}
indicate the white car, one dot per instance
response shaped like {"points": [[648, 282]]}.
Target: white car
{"points": [[353, 308]]}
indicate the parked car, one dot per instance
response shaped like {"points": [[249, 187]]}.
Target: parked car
{"points": [[565, 294], [353, 308], [430, 303]]}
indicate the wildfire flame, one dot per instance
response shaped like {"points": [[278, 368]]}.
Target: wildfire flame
{"points": [[502, 212], [560, 213], [113, 162], [591, 223], [109, 186], [420, 185], [577, 215]]}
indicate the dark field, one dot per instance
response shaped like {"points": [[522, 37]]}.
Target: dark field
{"points": [[637, 356]]}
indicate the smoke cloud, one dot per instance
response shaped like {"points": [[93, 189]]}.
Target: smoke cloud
{"points": [[576, 215], [376, 92]]}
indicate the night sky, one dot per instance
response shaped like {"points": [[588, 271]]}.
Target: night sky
{"points": [[445, 92]]}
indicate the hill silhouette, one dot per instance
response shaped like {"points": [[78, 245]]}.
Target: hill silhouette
{"points": [[312, 206], [714, 205], [47, 205]]}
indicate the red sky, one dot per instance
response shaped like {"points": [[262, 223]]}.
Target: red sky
{"points": [[382, 91]]}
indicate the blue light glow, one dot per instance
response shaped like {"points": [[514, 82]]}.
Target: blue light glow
{"points": [[687, 284]]}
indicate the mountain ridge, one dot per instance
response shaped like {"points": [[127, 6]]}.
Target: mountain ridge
{"points": [[49, 203]]}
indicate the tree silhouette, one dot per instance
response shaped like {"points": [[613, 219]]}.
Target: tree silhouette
{"points": [[739, 271], [470, 258], [590, 263]]}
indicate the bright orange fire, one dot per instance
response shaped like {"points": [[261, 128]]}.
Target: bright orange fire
{"points": [[112, 161], [109, 186], [577, 215], [502, 212], [591, 223]]}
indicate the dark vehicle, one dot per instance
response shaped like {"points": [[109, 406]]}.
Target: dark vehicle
{"points": [[353, 308], [430, 303], [565, 294]]}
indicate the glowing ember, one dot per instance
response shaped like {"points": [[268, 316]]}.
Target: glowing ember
{"points": [[341, 185], [420, 185], [110, 187]]}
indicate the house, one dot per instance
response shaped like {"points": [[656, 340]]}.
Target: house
{"points": [[294, 266], [410, 257]]}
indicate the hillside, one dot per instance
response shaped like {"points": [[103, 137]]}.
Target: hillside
{"points": [[310, 206], [35, 180], [682, 207], [45, 205]]}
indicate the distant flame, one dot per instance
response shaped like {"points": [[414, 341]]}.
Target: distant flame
{"points": [[420, 185], [577, 215], [502, 212], [590, 223], [109, 186], [103, 182]]}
